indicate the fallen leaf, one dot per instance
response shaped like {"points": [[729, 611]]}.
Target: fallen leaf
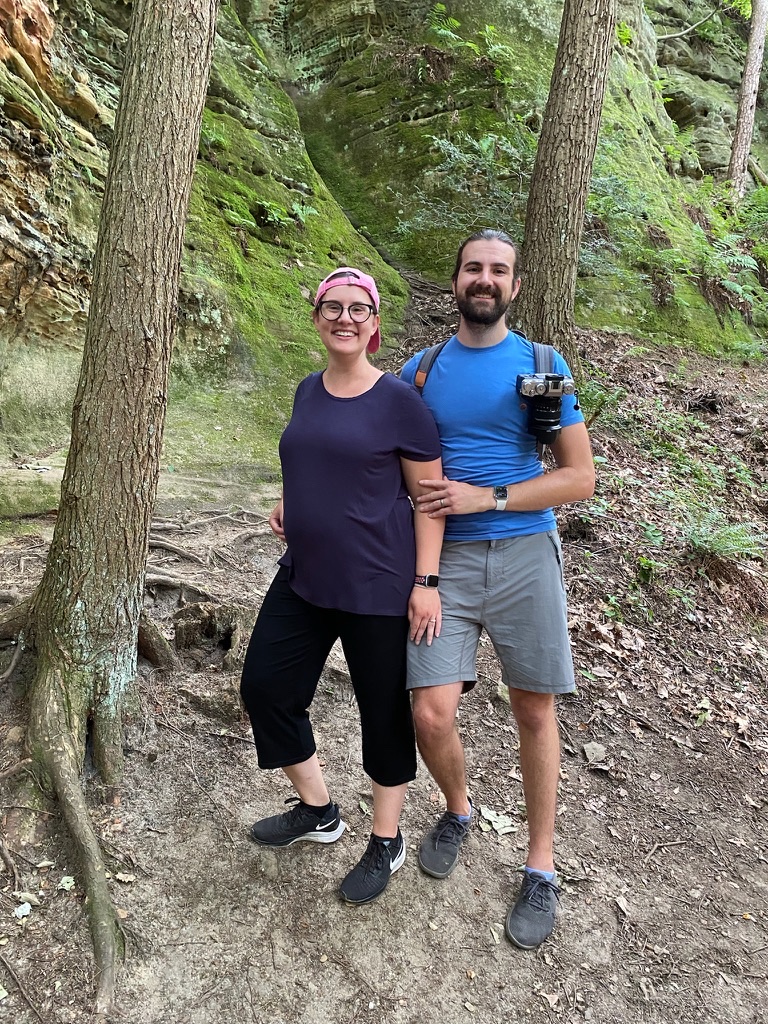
{"points": [[552, 998], [433, 926], [501, 823], [594, 752], [28, 897], [122, 876], [66, 883], [22, 911], [623, 906], [496, 933]]}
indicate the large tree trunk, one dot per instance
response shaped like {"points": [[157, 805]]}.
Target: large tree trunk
{"points": [[750, 83], [562, 172], [85, 614]]}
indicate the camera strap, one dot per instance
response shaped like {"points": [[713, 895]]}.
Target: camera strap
{"points": [[544, 358]]}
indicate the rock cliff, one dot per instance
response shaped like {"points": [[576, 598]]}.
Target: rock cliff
{"points": [[409, 124]]}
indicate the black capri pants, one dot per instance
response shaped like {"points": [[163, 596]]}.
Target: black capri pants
{"points": [[288, 649]]}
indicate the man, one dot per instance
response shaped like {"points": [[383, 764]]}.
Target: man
{"points": [[500, 568]]}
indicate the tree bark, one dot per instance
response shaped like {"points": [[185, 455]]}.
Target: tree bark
{"points": [[750, 83], [85, 613], [562, 172]]}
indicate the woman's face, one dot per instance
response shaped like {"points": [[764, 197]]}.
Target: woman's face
{"points": [[345, 336]]}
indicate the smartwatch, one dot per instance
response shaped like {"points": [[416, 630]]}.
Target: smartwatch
{"points": [[500, 497], [430, 580]]}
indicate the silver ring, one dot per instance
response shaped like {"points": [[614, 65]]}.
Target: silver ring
{"points": [[442, 502], [433, 620]]}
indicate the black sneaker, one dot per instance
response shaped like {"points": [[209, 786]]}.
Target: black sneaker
{"points": [[300, 823], [532, 918], [439, 851], [369, 879]]}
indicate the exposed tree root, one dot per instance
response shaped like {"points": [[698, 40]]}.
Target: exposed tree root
{"points": [[154, 647], [175, 549], [10, 863], [60, 752], [14, 661], [14, 621]]}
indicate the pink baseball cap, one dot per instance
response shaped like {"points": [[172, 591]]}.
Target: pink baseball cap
{"points": [[352, 276]]}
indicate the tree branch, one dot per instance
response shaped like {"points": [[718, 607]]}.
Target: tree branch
{"points": [[677, 35]]}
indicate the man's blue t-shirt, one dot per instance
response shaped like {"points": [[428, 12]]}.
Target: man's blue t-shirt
{"points": [[483, 426], [347, 516]]}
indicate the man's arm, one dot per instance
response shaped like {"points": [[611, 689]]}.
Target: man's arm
{"points": [[572, 480]]}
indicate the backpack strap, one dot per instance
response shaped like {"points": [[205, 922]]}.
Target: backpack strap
{"points": [[425, 365]]}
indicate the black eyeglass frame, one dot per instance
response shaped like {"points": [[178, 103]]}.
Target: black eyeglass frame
{"points": [[372, 311]]}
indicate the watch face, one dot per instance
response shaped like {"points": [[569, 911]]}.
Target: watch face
{"points": [[500, 493]]}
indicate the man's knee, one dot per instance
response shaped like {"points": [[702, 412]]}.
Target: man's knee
{"points": [[434, 712], [533, 711]]}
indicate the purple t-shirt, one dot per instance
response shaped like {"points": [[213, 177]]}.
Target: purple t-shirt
{"points": [[347, 516]]}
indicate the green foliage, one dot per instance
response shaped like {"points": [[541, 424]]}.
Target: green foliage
{"points": [[708, 533], [478, 181], [444, 28], [623, 34]]}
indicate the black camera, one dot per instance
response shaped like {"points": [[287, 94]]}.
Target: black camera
{"points": [[543, 393]]}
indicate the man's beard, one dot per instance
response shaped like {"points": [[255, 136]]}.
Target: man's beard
{"points": [[482, 314]]}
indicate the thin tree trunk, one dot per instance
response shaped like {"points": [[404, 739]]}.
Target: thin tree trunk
{"points": [[750, 83], [562, 172], [85, 613]]}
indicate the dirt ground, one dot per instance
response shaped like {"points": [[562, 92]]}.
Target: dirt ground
{"points": [[661, 833]]}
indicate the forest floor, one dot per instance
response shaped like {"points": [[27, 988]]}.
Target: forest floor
{"points": [[662, 830]]}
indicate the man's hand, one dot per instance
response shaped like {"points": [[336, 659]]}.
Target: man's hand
{"points": [[451, 498]]}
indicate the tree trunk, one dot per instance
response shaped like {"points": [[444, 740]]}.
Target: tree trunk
{"points": [[85, 612], [562, 172], [750, 83]]}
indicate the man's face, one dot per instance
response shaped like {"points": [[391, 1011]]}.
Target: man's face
{"points": [[485, 285]]}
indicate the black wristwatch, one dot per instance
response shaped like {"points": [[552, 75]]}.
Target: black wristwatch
{"points": [[500, 497], [430, 580]]}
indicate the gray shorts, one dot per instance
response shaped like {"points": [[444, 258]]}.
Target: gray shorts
{"points": [[513, 588]]}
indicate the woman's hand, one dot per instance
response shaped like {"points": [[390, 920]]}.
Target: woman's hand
{"points": [[276, 520], [424, 614]]}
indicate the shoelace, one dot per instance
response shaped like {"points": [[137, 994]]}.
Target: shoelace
{"points": [[538, 889], [451, 829], [373, 858]]}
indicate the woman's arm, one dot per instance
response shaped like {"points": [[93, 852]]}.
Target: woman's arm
{"points": [[424, 612]]}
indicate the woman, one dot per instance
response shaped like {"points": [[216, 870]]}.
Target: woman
{"points": [[356, 569]]}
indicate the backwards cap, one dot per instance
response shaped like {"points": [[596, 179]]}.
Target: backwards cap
{"points": [[352, 276]]}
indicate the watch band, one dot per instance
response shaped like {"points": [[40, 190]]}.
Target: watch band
{"points": [[430, 580], [500, 497], [501, 504]]}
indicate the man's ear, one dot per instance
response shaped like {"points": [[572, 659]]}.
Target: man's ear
{"points": [[516, 288]]}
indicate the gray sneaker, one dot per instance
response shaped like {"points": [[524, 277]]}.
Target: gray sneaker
{"points": [[439, 850], [532, 918]]}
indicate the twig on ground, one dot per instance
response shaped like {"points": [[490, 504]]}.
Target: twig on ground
{"points": [[21, 989], [662, 846], [229, 736]]}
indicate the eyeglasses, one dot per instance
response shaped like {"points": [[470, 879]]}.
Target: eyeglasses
{"points": [[359, 312]]}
